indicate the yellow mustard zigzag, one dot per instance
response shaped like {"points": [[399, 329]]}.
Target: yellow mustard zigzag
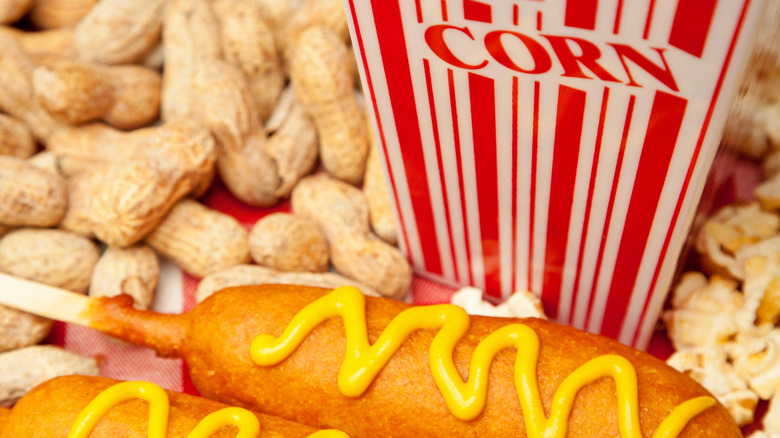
{"points": [[159, 408], [466, 400]]}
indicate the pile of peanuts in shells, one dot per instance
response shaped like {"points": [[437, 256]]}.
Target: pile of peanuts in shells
{"points": [[117, 115]]}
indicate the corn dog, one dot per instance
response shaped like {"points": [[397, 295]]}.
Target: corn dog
{"points": [[94, 407], [374, 366]]}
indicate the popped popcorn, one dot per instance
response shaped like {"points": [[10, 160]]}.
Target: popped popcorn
{"points": [[522, 304]]}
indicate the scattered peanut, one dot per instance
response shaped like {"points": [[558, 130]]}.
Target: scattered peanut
{"points": [[286, 242], [200, 240], [248, 44], [30, 195], [127, 97], [293, 142], [51, 14], [133, 271], [46, 160], [321, 73], [378, 197], [119, 31], [44, 46], [18, 97], [20, 329], [15, 139], [26, 368], [121, 202], [13, 10], [312, 13], [242, 275], [54, 257], [341, 211]]}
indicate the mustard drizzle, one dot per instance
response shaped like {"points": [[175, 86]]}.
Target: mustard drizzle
{"points": [[159, 408], [466, 400]]}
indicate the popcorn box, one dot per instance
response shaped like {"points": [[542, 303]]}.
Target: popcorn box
{"points": [[557, 146]]}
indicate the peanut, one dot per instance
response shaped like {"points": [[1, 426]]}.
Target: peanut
{"points": [[242, 275], [285, 242], [18, 97], [121, 202], [292, 144], [13, 10], [127, 97], [119, 31], [50, 14], [30, 195], [321, 74], [248, 44], [217, 95], [279, 11], [46, 160], [26, 368], [20, 329], [200, 240], [15, 139], [378, 197], [4, 229], [54, 257], [133, 271], [308, 14], [45, 46], [341, 211]]}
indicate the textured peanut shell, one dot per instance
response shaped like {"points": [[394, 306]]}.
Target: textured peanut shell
{"points": [[44, 46], [243, 275], [54, 257], [119, 31], [46, 160], [50, 409], [133, 271], [308, 14], [285, 242], [378, 197], [403, 400], [334, 205], [199, 239], [23, 369], [18, 96], [20, 329], [30, 195], [52, 14], [248, 43], [321, 74], [15, 138], [126, 97]]}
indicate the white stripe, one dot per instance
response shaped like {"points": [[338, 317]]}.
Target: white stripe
{"points": [[633, 20], [469, 177], [605, 176], [525, 120], [414, 34], [633, 151], [577, 218], [169, 297], [504, 134], [548, 107], [379, 82]]}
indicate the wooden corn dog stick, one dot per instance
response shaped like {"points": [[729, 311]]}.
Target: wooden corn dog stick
{"points": [[47, 301]]}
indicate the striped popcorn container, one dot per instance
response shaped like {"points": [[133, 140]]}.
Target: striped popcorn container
{"points": [[557, 146]]}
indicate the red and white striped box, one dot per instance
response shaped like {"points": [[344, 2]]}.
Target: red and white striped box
{"points": [[559, 146]]}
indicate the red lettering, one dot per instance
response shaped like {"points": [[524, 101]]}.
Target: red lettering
{"points": [[496, 48], [571, 62], [434, 36], [664, 75]]}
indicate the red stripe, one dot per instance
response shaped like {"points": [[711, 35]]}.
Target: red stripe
{"points": [[618, 16], [515, 15], [458, 159], [437, 142], [649, 20], [477, 11], [418, 8], [662, 131], [694, 159], [483, 121], [381, 133], [515, 91], [444, 10], [532, 207], [611, 204], [691, 25], [389, 30], [591, 186], [568, 133], [538, 20], [581, 13]]}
